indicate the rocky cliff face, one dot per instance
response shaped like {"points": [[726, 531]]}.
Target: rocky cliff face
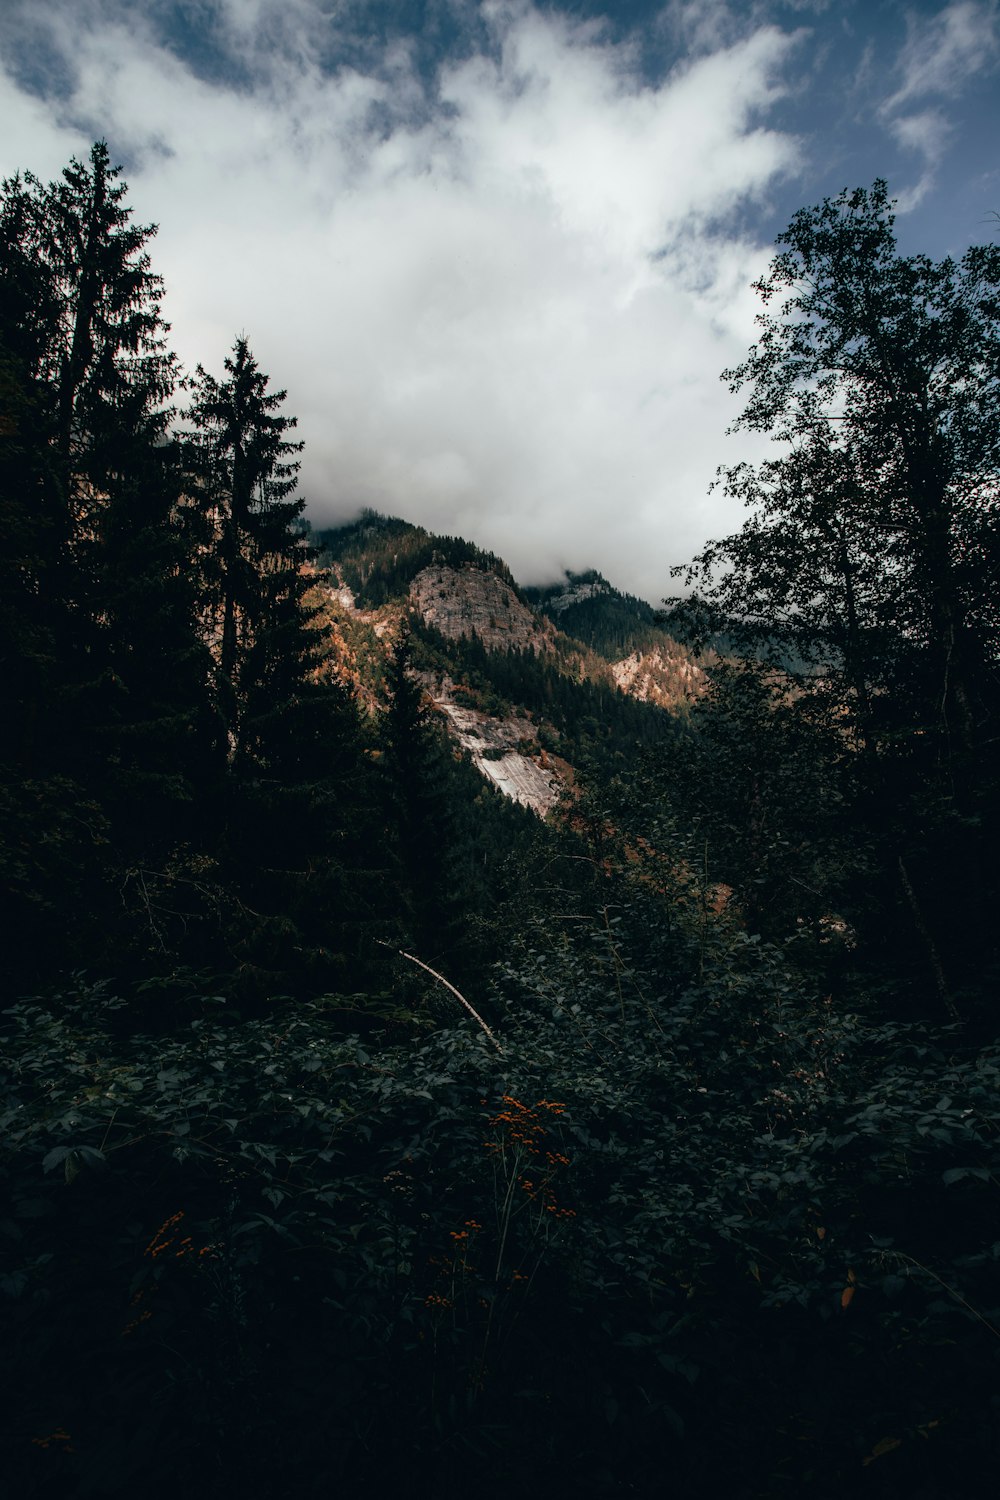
{"points": [[367, 590], [468, 600], [505, 751], [662, 676], [577, 592]]}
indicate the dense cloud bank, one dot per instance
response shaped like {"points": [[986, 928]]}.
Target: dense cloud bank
{"points": [[499, 266]]}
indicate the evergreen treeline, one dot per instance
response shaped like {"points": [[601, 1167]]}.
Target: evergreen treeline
{"points": [[611, 623], [184, 788], [590, 722], [160, 668], [379, 556], [358, 1129]]}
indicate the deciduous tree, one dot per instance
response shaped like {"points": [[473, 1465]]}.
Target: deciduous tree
{"points": [[870, 554]]}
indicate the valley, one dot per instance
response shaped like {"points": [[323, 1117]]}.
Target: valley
{"points": [[467, 1035]]}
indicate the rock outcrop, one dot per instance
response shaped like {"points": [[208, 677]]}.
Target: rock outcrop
{"points": [[662, 676], [578, 592], [505, 751], [469, 600]]}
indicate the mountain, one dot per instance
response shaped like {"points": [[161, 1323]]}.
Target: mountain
{"points": [[588, 607], [530, 683], [645, 660]]}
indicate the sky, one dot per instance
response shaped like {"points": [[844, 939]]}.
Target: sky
{"points": [[499, 251]]}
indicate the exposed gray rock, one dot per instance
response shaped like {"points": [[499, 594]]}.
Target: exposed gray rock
{"points": [[467, 600], [665, 677], [576, 593], [498, 748]]}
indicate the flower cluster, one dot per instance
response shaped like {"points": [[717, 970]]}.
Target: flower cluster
{"points": [[60, 1440], [472, 1227], [167, 1239], [521, 1126]]}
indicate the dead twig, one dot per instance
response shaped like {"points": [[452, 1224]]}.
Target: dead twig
{"points": [[458, 995]]}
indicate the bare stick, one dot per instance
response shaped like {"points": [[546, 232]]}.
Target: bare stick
{"points": [[460, 997]]}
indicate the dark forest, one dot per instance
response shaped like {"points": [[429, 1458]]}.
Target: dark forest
{"points": [[362, 1127]]}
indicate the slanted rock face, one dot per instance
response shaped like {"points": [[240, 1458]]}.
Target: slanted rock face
{"points": [[662, 677], [466, 601], [578, 593], [505, 751]]}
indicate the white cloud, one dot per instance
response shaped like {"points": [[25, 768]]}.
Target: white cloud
{"points": [[506, 318], [928, 133], [943, 52]]}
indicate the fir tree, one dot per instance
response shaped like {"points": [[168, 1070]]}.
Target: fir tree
{"points": [[245, 476], [294, 810], [27, 521], [105, 662], [124, 715]]}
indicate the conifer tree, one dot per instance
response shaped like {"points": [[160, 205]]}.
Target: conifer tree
{"points": [[294, 809], [123, 713], [27, 521], [245, 476], [106, 665]]}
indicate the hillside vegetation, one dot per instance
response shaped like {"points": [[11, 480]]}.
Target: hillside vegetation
{"points": [[365, 1129]]}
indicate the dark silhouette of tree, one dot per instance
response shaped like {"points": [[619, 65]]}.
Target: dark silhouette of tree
{"points": [[871, 548], [28, 312], [295, 812], [873, 534], [107, 672], [245, 476]]}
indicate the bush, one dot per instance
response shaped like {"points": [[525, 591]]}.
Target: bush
{"points": [[703, 1221]]}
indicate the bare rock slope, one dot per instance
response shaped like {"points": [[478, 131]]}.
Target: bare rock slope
{"points": [[665, 677], [467, 600], [505, 751]]}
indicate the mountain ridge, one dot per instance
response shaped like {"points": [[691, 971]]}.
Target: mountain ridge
{"points": [[523, 696]]}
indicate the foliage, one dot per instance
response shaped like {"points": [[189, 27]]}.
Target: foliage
{"points": [[870, 552], [877, 375], [758, 782], [670, 1188], [293, 1254]]}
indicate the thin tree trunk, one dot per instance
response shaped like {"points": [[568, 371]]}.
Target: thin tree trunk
{"points": [[934, 958]]}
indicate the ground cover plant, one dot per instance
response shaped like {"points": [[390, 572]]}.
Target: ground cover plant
{"points": [[724, 1231]]}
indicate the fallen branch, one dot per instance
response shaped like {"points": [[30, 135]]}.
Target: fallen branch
{"points": [[458, 996]]}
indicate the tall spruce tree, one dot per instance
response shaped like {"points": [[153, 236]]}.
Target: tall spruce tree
{"points": [[293, 809], [28, 311], [245, 476], [123, 713], [107, 669]]}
